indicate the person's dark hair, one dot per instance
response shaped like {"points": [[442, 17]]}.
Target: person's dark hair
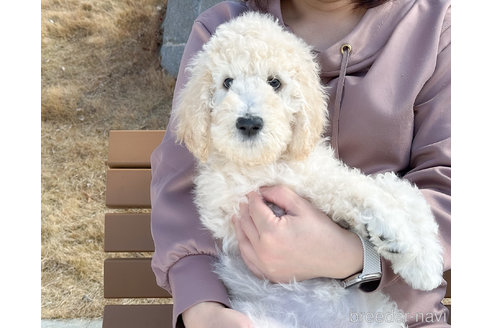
{"points": [[368, 3], [262, 4]]}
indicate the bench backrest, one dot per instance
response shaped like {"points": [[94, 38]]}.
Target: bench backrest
{"points": [[127, 272]]}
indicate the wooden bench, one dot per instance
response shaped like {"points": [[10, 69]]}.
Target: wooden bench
{"points": [[127, 231]]}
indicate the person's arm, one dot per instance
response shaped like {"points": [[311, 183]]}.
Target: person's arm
{"points": [[430, 164], [184, 249], [430, 161], [431, 150]]}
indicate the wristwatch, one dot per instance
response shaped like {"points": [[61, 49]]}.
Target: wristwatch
{"points": [[371, 271]]}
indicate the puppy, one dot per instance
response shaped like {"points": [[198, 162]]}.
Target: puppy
{"points": [[253, 114]]}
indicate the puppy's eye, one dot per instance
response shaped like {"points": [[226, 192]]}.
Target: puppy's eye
{"points": [[227, 83], [274, 83]]}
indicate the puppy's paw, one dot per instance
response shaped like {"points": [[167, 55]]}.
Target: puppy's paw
{"points": [[386, 245], [417, 260], [415, 255], [424, 271], [388, 240]]}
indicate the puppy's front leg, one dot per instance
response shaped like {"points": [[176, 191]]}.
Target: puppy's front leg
{"points": [[406, 233], [391, 213]]}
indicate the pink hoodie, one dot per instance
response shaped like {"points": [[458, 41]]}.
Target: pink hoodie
{"points": [[392, 114]]}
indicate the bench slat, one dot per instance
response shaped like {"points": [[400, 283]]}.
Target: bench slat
{"points": [[130, 278], [447, 277], [127, 188], [449, 314], [127, 232], [138, 316], [130, 148]]}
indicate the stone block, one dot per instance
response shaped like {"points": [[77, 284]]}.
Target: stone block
{"points": [[171, 57], [208, 4], [180, 15]]}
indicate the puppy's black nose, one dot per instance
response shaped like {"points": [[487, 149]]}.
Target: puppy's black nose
{"points": [[249, 126]]}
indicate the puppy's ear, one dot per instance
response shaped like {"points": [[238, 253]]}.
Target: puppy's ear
{"points": [[312, 116], [193, 111]]}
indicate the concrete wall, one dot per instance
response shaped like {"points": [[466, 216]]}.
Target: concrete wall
{"points": [[177, 24]]}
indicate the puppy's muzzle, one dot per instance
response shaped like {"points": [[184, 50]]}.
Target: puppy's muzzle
{"points": [[249, 126]]}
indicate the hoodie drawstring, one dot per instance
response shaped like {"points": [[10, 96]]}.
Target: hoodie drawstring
{"points": [[345, 49]]}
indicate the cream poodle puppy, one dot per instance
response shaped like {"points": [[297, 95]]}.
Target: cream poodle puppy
{"points": [[253, 114]]}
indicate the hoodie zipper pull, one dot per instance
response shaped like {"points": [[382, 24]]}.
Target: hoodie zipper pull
{"points": [[345, 49]]}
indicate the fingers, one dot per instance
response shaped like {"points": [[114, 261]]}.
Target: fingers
{"points": [[261, 215], [252, 266], [263, 218], [247, 224], [246, 248], [283, 197]]}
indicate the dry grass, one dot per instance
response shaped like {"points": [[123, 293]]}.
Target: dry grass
{"points": [[100, 71]]}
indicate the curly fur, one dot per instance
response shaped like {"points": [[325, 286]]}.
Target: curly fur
{"points": [[290, 150]]}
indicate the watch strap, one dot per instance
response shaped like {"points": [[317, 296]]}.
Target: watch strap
{"points": [[371, 270]]}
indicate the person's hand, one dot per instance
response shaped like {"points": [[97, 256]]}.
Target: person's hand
{"points": [[302, 244], [214, 315]]}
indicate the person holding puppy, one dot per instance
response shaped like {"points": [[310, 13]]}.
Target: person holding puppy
{"points": [[387, 66]]}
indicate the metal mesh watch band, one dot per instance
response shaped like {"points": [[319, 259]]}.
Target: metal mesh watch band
{"points": [[372, 266]]}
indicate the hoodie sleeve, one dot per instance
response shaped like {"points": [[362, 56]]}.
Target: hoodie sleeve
{"points": [[430, 160], [430, 170], [184, 250]]}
